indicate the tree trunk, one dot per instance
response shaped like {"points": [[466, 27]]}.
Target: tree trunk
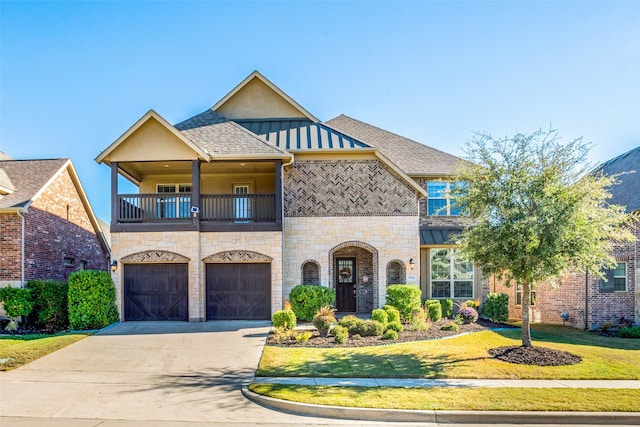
{"points": [[526, 323]]}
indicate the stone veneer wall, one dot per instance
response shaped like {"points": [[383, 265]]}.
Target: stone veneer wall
{"points": [[196, 247], [314, 238], [325, 188]]}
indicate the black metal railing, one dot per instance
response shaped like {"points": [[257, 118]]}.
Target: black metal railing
{"points": [[172, 207]]}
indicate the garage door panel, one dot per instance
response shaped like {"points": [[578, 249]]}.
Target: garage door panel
{"points": [[156, 292], [238, 291]]}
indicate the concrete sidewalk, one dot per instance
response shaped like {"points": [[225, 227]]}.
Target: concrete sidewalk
{"points": [[461, 383]]}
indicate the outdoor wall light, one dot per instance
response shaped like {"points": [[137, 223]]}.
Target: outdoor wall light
{"points": [[114, 266], [412, 263]]}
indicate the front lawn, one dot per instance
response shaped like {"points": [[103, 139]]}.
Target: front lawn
{"points": [[17, 350], [460, 357], [460, 399]]}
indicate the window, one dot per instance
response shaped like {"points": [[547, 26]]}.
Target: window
{"points": [[174, 206], [310, 273], [615, 279], [83, 265], [519, 295], [451, 276], [439, 201], [68, 261]]}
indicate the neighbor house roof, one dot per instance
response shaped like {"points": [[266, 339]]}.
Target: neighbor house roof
{"points": [[30, 178], [627, 192], [412, 157]]}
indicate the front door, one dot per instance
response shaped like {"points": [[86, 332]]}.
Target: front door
{"points": [[346, 285]]}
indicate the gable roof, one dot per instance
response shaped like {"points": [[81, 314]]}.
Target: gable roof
{"points": [[414, 158], [627, 192], [32, 177], [29, 178], [256, 75]]}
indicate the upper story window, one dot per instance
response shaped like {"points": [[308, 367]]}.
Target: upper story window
{"points": [[439, 198]]}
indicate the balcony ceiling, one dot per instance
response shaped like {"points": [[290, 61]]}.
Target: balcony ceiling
{"points": [[140, 169]]}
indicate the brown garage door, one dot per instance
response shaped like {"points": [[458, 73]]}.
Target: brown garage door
{"points": [[155, 292], [239, 291]]}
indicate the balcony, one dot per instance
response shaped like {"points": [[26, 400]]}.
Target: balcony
{"points": [[216, 212]]}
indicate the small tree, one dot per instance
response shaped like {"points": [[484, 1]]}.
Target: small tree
{"points": [[537, 212]]}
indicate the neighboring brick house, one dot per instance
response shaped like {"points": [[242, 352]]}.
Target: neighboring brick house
{"points": [[239, 204], [47, 227], [589, 302]]}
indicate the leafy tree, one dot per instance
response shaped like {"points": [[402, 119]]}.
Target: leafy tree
{"points": [[538, 213]]}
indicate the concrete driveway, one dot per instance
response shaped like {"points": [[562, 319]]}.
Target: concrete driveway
{"points": [[145, 371]]}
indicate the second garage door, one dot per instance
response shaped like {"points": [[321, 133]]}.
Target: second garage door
{"points": [[239, 291], [155, 292]]}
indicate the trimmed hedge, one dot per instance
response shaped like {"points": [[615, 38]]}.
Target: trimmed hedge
{"points": [[306, 300], [50, 304], [16, 301], [284, 319], [406, 298], [447, 307], [380, 315], [434, 308], [92, 300], [393, 315]]}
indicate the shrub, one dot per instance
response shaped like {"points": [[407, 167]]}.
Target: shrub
{"points": [[92, 300], [50, 305], [393, 315], [303, 337], [390, 334], [351, 322], [285, 319], [468, 314], [306, 300], [16, 301], [340, 333], [406, 298], [419, 320], [447, 307], [434, 308], [396, 326], [370, 328], [451, 326], [283, 335], [629, 332], [323, 320], [380, 315], [496, 307], [468, 303]]}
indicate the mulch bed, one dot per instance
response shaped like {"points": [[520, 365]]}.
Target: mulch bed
{"points": [[433, 332], [540, 356]]}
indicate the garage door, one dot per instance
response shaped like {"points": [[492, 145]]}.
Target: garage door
{"points": [[155, 292], [239, 291]]}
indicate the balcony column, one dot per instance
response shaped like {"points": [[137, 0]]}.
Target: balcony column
{"points": [[278, 191], [195, 189], [114, 193]]}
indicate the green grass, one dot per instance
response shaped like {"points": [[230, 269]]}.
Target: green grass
{"points": [[460, 399], [27, 348], [461, 357]]}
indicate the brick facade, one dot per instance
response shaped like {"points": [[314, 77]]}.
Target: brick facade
{"points": [[324, 188], [59, 237], [571, 296]]}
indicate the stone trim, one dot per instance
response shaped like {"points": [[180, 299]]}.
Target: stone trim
{"points": [[237, 256], [155, 256], [358, 244], [317, 188]]}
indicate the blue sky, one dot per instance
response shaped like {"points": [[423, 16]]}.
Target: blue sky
{"points": [[76, 75]]}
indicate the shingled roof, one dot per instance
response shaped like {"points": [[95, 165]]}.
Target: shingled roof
{"points": [[627, 192], [27, 177], [412, 157]]}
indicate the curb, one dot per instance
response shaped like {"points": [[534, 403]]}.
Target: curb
{"points": [[461, 417]]}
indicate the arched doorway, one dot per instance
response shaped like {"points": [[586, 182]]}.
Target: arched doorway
{"points": [[354, 275]]}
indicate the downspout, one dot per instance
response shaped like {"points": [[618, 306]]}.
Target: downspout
{"points": [[586, 300], [21, 249]]}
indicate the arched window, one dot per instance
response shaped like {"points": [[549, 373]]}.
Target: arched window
{"points": [[310, 273], [396, 273]]}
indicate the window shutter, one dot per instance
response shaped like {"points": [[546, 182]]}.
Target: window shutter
{"points": [[607, 284]]}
